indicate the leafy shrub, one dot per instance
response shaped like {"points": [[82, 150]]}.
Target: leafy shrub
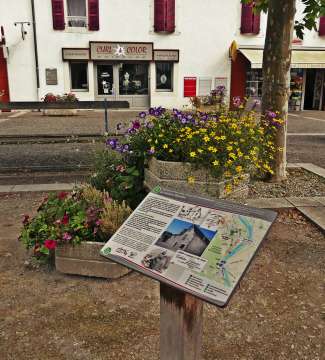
{"points": [[82, 215]]}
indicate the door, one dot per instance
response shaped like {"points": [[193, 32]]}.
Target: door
{"points": [[105, 84], [134, 84], [4, 85]]}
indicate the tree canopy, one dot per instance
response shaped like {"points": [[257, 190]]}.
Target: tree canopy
{"points": [[312, 11]]}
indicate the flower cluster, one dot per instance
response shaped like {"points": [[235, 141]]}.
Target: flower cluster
{"points": [[68, 97], [227, 144], [69, 218]]}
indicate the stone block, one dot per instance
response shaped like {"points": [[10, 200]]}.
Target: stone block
{"points": [[84, 259], [60, 112]]}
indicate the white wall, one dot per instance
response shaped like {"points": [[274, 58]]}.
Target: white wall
{"points": [[204, 32]]}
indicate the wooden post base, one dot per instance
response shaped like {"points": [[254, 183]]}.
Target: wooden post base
{"points": [[181, 320]]}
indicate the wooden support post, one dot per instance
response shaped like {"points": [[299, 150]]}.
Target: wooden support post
{"points": [[181, 320]]}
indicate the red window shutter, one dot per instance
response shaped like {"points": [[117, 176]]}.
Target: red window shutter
{"points": [[247, 18], [321, 30], [160, 15], [93, 15], [256, 23], [58, 14], [170, 16], [189, 86]]}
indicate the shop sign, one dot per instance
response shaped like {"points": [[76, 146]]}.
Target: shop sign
{"points": [[75, 54], [51, 76], [121, 51], [166, 55]]}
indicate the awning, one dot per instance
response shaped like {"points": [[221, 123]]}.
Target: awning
{"points": [[302, 59]]}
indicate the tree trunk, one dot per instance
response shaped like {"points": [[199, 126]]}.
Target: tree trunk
{"points": [[276, 72]]}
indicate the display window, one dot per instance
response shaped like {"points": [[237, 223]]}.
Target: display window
{"points": [[164, 76], [79, 76], [133, 79]]}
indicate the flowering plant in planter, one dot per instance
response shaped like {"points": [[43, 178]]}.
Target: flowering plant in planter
{"points": [[70, 218], [67, 97], [227, 144]]}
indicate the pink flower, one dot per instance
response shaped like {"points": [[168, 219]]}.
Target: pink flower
{"points": [[98, 222], [65, 219], [62, 195], [120, 168], [25, 219], [50, 244], [67, 236]]}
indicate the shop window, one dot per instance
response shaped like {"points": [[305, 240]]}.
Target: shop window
{"points": [[76, 13], [133, 79], [164, 76], [296, 85], [105, 83], [79, 76], [250, 20], [254, 81]]}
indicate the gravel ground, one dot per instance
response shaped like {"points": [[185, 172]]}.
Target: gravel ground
{"points": [[276, 314], [300, 183]]}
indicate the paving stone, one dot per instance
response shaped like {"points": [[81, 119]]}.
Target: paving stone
{"points": [[314, 169], [321, 199], [269, 203], [293, 166], [41, 187], [6, 188], [304, 201], [315, 214]]}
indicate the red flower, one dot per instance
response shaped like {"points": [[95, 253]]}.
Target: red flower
{"points": [[50, 244], [62, 195], [25, 219], [65, 219]]}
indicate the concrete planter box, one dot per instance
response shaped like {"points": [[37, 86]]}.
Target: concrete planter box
{"points": [[60, 112], [84, 259], [174, 176]]}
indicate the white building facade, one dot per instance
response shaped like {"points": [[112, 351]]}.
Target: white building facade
{"points": [[148, 52]]}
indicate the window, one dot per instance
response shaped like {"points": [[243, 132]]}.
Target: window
{"points": [[254, 83], [133, 79], [79, 76], [77, 13], [164, 76]]}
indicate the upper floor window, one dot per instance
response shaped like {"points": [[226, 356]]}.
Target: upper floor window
{"points": [[250, 20], [164, 16], [77, 13]]}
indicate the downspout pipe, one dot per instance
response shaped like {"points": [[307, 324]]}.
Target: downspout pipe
{"points": [[35, 47]]}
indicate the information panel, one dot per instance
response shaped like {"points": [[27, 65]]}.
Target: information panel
{"points": [[199, 246]]}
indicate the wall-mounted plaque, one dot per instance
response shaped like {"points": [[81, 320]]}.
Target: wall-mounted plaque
{"points": [[166, 55], [51, 76], [121, 51], [75, 54]]}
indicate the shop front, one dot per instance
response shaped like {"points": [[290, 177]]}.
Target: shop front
{"points": [[307, 77]]}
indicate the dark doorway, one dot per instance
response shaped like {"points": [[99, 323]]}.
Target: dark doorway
{"points": [[309, 89]]}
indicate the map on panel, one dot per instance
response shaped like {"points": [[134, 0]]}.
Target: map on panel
{"points": [[200, 246]]}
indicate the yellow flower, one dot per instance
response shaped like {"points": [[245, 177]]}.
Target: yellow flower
{"points": [[215, 162], [178, 140], [170, 150], [160, 135], [233, 156], [212, 149], [200, 151], [239, 168], [229, 147], [189, 136], [192, 154], [149, 140], [206, 138], [165, 146], [191, 179], [228, 188], [223, 137]]}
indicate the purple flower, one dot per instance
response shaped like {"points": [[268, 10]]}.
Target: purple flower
{"points": [[131, 130], [204, 116], [184, 120], [142, 114], [151, 111], [136, 124], [125, 148], [149, 125], [112, 143], [151, 151], [119, 126], [270, 114]]}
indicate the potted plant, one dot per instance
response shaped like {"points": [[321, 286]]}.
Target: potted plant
{"points": [[64, 100], [211, 154], [72, 227]]}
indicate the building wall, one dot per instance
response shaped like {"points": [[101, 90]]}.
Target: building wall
{"points": [[204, 32]]}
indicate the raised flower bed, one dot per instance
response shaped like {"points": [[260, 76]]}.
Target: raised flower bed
{"points": [[211, 154], [62, 99], [73, 227]]}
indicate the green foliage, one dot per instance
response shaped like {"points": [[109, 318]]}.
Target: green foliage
{"points": [[121, 175], [72, 218]]}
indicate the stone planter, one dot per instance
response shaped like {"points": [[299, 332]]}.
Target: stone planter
{"points": [[60, 112], [174, 176], [84, 259]]}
